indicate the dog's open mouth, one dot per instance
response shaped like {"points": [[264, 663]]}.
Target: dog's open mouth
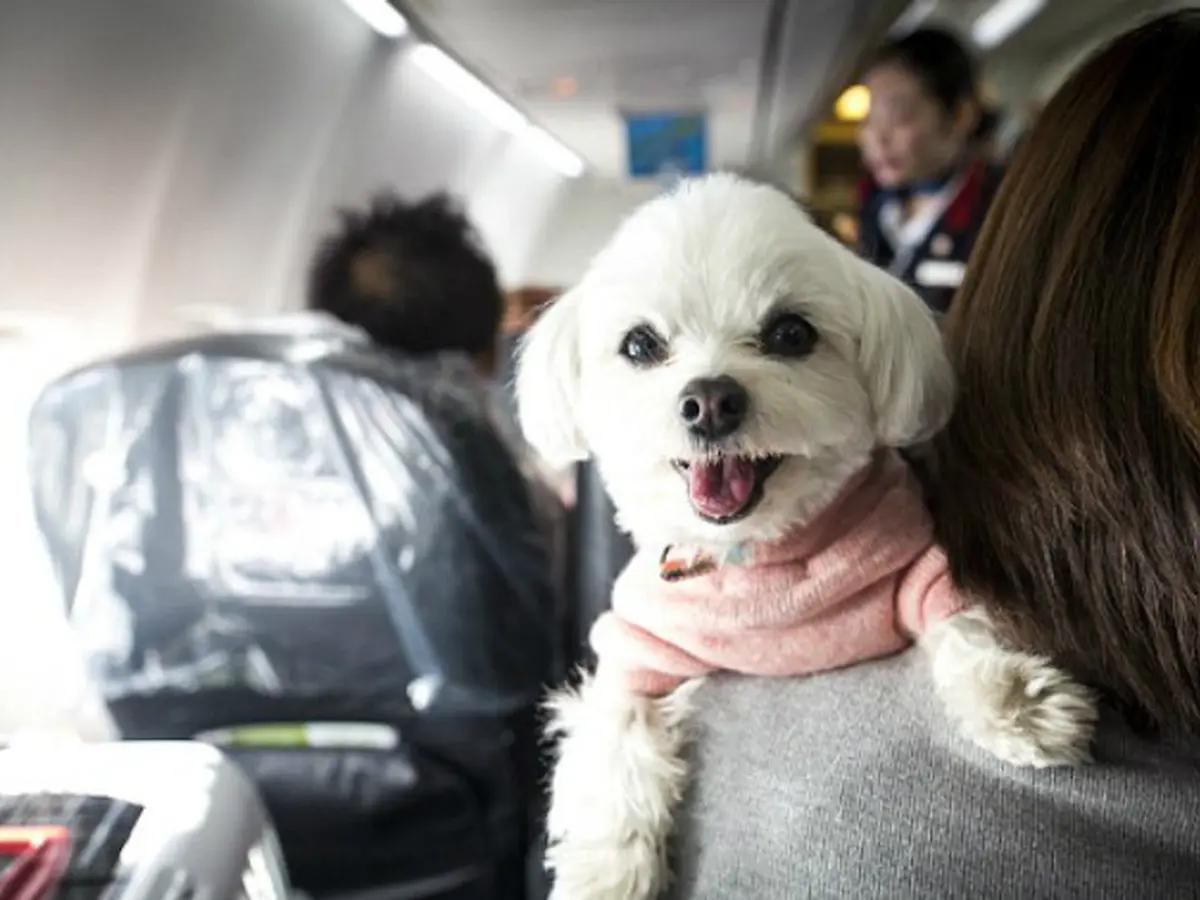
{"points": [[726, 488]]}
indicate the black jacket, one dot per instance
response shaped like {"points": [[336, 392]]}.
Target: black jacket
{"points": [[935, 267]]}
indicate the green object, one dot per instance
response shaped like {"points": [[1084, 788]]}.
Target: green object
{"points": [[359, 735], [274, 735]]}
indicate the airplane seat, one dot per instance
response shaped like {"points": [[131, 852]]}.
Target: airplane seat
{"points": [[598, 551], [322, 558]]}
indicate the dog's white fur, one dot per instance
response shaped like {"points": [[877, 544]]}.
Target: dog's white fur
{"points": [[705, 266]]}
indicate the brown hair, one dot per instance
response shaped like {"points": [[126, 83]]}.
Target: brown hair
{"points": [[523, 306], [1067, 483]]}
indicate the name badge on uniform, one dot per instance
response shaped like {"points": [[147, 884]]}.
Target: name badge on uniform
{"points": [[940, 273]]}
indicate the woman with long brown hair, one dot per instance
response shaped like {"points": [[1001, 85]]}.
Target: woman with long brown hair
{"points": [[1070, 473], [1067, 494]]}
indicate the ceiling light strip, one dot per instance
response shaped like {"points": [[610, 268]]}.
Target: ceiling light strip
{"points": [[440, 66], [1002, 20], [380, 15]]}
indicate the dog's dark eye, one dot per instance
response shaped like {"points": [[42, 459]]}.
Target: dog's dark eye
{"points": [[789, 335], [643, 346]]}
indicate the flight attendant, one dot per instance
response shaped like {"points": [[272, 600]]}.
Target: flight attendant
{"points": [[927, 189]]}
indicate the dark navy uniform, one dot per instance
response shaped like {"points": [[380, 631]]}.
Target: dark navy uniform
{"points": [[930, 250]]}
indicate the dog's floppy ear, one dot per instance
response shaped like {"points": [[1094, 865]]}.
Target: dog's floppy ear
{"points": [[548, 383], [904, 362]]}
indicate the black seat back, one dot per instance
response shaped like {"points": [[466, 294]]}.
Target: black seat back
{"points": [[598, 552], [296, 529]]}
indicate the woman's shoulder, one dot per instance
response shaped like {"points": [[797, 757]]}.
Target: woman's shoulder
{"points": [[852, 784]]}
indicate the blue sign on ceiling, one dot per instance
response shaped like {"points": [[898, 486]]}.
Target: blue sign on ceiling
{"points": [[664, 144]]}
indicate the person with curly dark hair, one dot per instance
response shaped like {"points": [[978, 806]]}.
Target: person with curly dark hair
{"points": [[414, 276]]}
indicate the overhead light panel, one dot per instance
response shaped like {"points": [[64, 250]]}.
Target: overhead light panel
{"points": [[555, 152], [853, 104], [1002, 20], [439, 66], [380, 15], [913, 17]]}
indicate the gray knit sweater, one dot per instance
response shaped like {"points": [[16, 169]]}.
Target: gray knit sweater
{"points": [[852, 785]]}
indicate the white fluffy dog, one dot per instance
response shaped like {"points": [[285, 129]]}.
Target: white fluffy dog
{"points": [[812, 361]]}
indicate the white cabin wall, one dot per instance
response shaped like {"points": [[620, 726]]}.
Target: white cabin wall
{"points": [[588, 212], [161, 154]]}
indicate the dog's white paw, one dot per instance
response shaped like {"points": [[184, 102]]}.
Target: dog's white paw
{"points": [[591, 870], [1018, 706], [1025, 711], [619, 778]]}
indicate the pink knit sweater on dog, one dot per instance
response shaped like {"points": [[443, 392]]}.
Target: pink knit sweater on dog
{"points": [[858, 582]]}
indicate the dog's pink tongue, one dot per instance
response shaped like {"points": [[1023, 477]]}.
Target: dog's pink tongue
{"points": [[721, 487]]}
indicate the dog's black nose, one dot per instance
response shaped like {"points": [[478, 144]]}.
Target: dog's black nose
{"points": [[713, 408]]}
